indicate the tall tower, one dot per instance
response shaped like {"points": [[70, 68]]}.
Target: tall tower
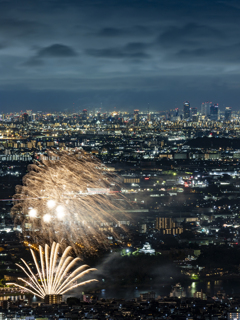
{"points": [[186, 109], [207, 108], [214, 112], [193, 111], [228, 113], [84, 114], [136, 115], [25, 118]]}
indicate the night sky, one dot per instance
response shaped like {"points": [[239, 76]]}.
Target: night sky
{"points": [[57, 54]]}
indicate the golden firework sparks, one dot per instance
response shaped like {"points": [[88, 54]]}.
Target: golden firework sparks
{"points": [[67, 197], [55, 278]]}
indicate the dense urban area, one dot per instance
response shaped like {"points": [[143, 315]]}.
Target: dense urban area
{"points": [[180, 171]]}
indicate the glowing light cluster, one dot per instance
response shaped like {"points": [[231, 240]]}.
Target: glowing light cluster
{"points": [[53, 278], [68, 197]]}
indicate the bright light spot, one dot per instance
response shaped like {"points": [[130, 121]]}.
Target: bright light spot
{"points": [[32, 213], [47, 217], [51, 204], [60, 212]]}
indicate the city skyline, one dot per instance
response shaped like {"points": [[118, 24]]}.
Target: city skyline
{"points": [[150, 200], [120, 155], [123, 54]]}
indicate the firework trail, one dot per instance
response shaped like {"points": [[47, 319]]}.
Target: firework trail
{"points": [[67, 197], [53, 278]]}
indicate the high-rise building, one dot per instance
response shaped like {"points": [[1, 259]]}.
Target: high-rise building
{"points": [[234, 315], [165, 223], [53, 299], [84, 116], [24, 118], [205, 108], [228, 113], [186, 109], [193, 111], [195, 118], [214, 112], [167, 226], [29, 112], [136, 115]]}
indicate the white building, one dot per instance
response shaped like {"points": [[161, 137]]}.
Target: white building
{"points": [[147, 249]]}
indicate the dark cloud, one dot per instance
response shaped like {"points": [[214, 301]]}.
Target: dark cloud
{"points": [[116, 53], [53, 51], [197, 53], [120, 32], [57, 50], [20, 28], [191, 34], [111, 32], [227, 54], [129, 52], [33, 62], [136, 46], [142, 31]]}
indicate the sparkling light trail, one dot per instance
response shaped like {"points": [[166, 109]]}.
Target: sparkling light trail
{"points": [[68, 197], [53, 277]]}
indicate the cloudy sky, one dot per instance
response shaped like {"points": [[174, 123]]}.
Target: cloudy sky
{"points": [[118, 53]]}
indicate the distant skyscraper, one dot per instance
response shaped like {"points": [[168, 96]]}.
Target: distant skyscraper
{"points": [[84, 114], [193, 111], [168, 226], [228, 113], [186, 109], [25, 118], [168, 115], [136, 115], [195, 118], [205, 108], [214, 112]]}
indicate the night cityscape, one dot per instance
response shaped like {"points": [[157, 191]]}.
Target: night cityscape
{"points": [[119, 159]]}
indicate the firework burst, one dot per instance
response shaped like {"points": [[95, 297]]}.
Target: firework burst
{"points": [[68, 197], [53, 278]]}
